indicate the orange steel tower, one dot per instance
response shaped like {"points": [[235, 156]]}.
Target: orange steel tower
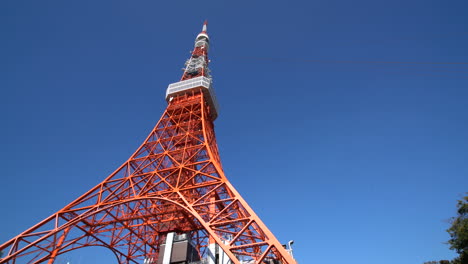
{"points": [[171, 189]]}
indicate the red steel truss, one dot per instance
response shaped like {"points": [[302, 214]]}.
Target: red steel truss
{"points": [[174, 182]]}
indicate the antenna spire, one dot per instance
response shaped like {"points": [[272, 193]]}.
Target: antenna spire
{"points": [[197, 64], [204, 26]]}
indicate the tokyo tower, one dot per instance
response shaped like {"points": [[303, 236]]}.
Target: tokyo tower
{"points": [[170, 202]]}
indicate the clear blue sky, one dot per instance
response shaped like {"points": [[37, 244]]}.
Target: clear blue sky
{"points": [[344, 124]]}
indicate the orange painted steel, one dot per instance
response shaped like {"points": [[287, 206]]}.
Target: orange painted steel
{"points": [[174, 182]]}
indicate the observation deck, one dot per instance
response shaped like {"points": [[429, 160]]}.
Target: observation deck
{"points": [[182, 87]]}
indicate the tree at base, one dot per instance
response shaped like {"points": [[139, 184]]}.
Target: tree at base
{"points": [[459, 232]]}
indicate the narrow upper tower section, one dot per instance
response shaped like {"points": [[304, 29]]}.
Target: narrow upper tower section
{"points": [[197, 65], [196, 74]]}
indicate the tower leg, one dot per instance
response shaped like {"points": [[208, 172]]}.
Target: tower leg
{"points": [[53, 255]]}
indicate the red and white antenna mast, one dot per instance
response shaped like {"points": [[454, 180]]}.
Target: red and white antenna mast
{"points": [[197, 65]]}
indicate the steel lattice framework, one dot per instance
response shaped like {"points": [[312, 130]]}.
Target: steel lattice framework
{"points": [[174, 182]]}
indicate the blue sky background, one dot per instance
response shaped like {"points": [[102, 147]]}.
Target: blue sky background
{"points": [[343, 123]]}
